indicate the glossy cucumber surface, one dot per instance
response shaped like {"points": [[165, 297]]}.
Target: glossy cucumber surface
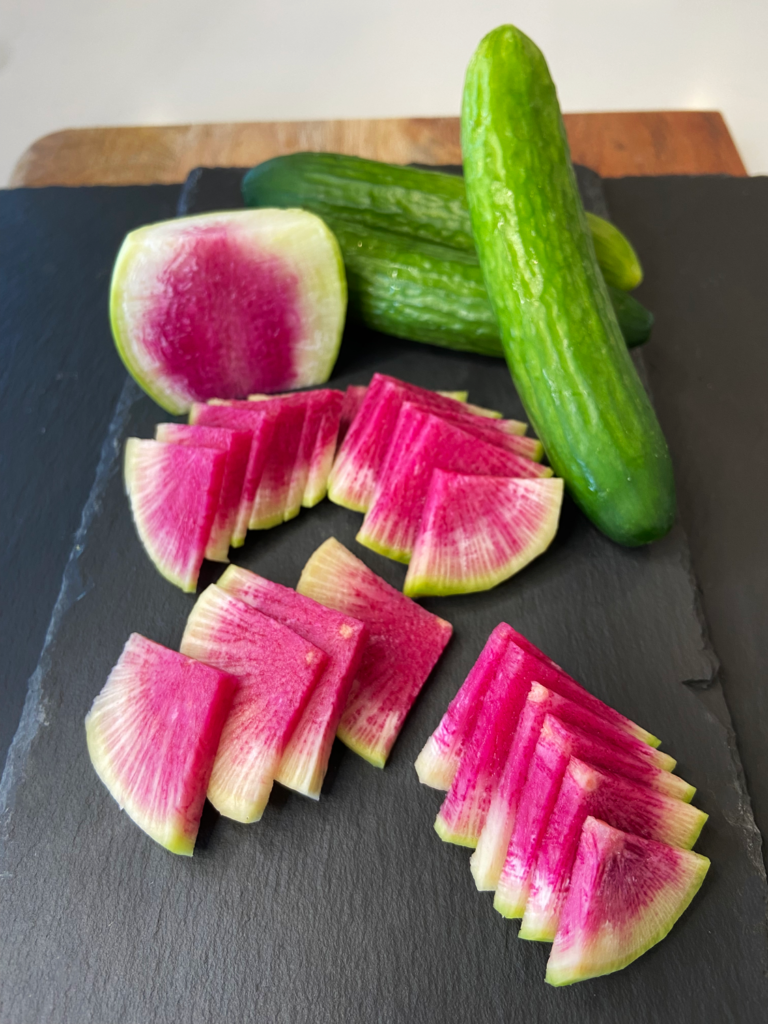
{"points": [[434, 294], [411, 201], [560, 334]]}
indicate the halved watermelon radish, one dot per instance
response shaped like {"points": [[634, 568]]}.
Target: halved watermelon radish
{"points": [[237, 445], [361, 457], [276, 670], [421, 444], [487, 860], [404, 643], [622, 804], [477, 531], [556, 744], [257, 420], [437, 763], [625, 895], [152, 734], [224, 304], [463, 812], [305, 759], [174, 495]]}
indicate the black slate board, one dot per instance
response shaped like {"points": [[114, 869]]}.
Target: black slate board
{"points": [[59, 380], [351, 909]]}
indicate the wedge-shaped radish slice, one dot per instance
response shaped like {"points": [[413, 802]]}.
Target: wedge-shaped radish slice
{"points": [[477, 531], [237, 445], [557, 742], [361, 457], [437, 763], [152, 734], [224, 304], [487, 860], [258, 421], [626, 894], [174, 495], [421, 444], [404, 643], [317, 447], [625, 805], [276, 670], [305, 759], [462, 815], [353, 399], [281, 486], [439, 760]]}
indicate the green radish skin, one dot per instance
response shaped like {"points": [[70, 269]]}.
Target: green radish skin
{"points": [[421, 204], [560, 335]]}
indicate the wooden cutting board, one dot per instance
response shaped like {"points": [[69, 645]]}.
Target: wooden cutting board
{"points": [[614, 144]]}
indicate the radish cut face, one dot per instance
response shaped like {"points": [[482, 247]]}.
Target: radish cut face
{"points": [[620, 803], [305, 758], [224, 304], [477, 531], [422, 443], [439, 759], [152, 734], [626, 894], [276, 670], [237, 445], [174, 495], [404, 643]]}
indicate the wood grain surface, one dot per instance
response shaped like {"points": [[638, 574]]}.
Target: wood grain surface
{"points": [[613, 144]]}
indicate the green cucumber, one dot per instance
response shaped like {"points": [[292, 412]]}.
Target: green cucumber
{"points": [[434, 294], [560, 334], [411, 201]]}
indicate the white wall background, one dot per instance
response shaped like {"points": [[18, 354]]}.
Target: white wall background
{"points": [[79, 63]]}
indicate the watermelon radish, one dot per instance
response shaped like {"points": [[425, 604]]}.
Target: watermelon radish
{"points": [[477, 531], [420, 444], [237, 445], [224, 304], [557, 742], [174, 494], [437, 763], [152, 736], [404, 643], [360, 458], [462, 815], [276, 670], [305, 759], [353, 399], [258, 421], [318, 441], [488, 858], [626, 893], [281, 486], [624, 805]]}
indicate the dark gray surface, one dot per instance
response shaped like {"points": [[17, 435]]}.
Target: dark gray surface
{"points": [[704, 245], [59, 381], [351, 909]]}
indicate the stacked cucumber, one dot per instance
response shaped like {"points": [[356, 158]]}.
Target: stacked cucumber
{"points": [[406, 238]]}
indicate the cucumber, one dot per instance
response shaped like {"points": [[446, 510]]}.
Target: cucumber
{"points": [[409, 201], [560, 334], [431, 293]]}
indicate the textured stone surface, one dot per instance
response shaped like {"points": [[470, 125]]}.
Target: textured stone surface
{"points": [[351, 909]]}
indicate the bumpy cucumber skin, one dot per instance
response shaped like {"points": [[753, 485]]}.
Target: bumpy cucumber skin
{"points": [[618, 260], [416, 202], [561, 338], [437, 295]]}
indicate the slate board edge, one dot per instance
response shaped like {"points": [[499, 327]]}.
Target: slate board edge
{"points": [[33, 715]]}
